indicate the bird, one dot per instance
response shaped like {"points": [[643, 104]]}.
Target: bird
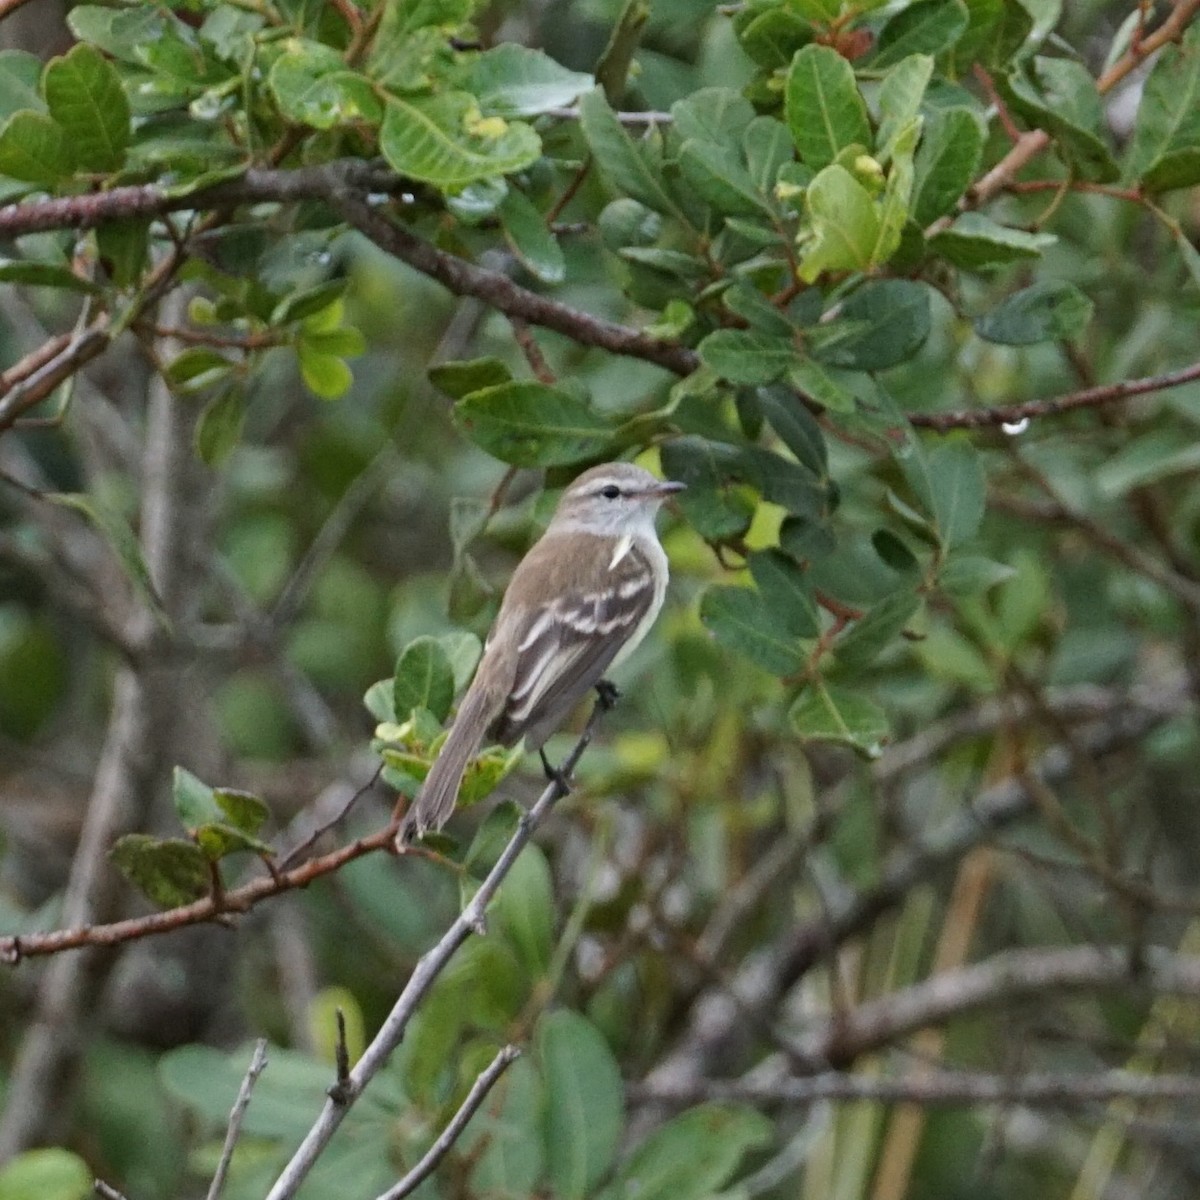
{"points": [[578, 604]]}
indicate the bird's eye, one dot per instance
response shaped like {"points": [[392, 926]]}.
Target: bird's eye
{"points": [[611, 492]]}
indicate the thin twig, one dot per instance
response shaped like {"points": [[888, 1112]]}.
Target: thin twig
{"points": [[453, 1131], [430, 966], [236, 1116], [106, 1190], [297, 852]]}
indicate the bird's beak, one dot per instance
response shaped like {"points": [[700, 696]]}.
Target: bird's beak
{"points": [[668, 487]]}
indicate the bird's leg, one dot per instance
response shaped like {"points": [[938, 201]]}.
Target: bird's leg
{"points": [[553, 773], [607, 693]]}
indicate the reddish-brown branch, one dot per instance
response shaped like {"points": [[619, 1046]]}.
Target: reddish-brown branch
{"points": [[10, 6], [1077, 185], [33, 361], [1094, 397], [997, 101], [532, 351], [40, 383], [211, 908]]}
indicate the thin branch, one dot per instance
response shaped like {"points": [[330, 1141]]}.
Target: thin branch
{"points": [[102, 1189], [1005, 978], [236, 900], [41, 382], [453, 1131], [937, 1088], [236, 1116], [430, 966], [1093, 397]]}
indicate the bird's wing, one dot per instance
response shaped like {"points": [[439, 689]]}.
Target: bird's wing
{"points": [[568, 645]]}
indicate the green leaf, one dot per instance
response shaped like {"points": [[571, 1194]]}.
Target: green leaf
{"points": [[510, 80], [975, 242], [795, 426], [772, 36], [48, 1174], [585, 1108], [746, 355], [783, 482], [620, 161], [462, 377], [885, 324], [377, 700], [972, 575], [171, 872], [39, 274], [828, 714], [219, 428], [716, 115], [312, 86], [121, 539], [825, 110], [693, 1156], [1045, 312], [1060, 96], [19, 75], [524, 910], [84, 95], [767, 145], [739, 619], [786, 591], [308, 302], [819, 386], [196, 369], [946, 162], [245, 811], [874, 631], [1165, 149], [900, 97], [526, 231], [897, 192], [325, 375], [35, 149], [532, 425], [927, 27], [509, 1125], [445, 141], [424, 679], [123, 246], [718, 177], [192, 799], [957, 491], [714, 506], [845, 225]]}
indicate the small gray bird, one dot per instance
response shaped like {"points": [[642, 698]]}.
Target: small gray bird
{"points": [[578, 603]]}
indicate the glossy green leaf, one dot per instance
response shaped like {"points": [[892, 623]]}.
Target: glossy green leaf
{"points": [[460, 378], [900, 97], [444, 140], [1048, 311], [830, 714], [220, 426], [716, 115], [312, 86], [825, 110], [1060, 96], [972, 575], [424, 679], [245, 811], [171, 872], [717, 175], [509, 1127], [766, 146], [746, 355], [927, 27], [84, 94], [123, 247], [874, 631], [693, 1156], [795, 426], [619, 159], [845, 225], [1165, 149], [975, 242], [882, 324], [946, 162], [511, 80], [957, 491], [532, 425], [585, 1108], [771, 36], [738, 618], [786, 591], [35, 149], [325, 375], [531, 239]]}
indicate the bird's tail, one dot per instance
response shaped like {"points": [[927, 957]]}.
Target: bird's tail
{"points": [[439, 793]]}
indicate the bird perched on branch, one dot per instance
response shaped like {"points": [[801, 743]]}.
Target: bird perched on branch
{"points": [[578, 603]]}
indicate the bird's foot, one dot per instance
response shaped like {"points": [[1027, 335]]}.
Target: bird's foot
{"points": [[607, 693]]}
